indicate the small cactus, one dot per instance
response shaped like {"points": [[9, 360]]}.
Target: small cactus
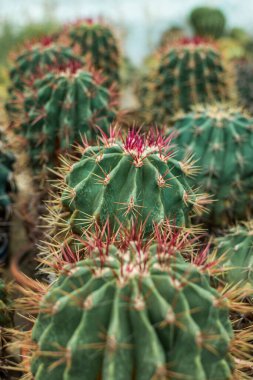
{"points": [[220, 139], [189, 73], [208, 22], [32, 62], [236, 247], [99, 47], [61, 107], [244, 83]]}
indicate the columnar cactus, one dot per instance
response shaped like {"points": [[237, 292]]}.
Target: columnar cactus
{"points": [[191, 72], [63, 106], [236, 248], [134, 310], [220, 138], [99, 46], [127, 179], [245, 84], [33, 61], [208, 22]]}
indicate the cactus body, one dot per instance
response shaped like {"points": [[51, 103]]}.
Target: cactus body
{"points": [[188, 74], [208, 22], [221, 140], [6, 169], [237, 248], [99, 46], [35, 61], [62, 107], [127, 314], [127, 180]]}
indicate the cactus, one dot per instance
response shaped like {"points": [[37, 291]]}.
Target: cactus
{"points": [[133, 310], [127, 179], [221, 138], [245, 84], [191, 72], [170, 36], [63, 106], [236, 247], [32, 62], [208, 22], [99, 46]]}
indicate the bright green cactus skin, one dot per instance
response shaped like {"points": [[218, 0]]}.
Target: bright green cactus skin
{"points": [[208, 22], [125, 181], [64, 107], [32, 62], [99, 46], [188, 74], [236, 248], [129, 316], [221, 140], [6, 172]]}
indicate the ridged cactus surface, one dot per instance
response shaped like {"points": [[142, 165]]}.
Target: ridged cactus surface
{"points": [[125, 179], [208, 22], [62, 108], [99, 46], [220, 139], [136, 313], [236, 249], [192, 72]]}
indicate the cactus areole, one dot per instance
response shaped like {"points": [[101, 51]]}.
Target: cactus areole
{"points": [[137, 313], [125, 179]]}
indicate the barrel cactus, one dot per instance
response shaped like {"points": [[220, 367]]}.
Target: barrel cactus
{"points": [[221, 139], [191, 72], [61, 107], [244, 82], [236, 249], [132, 311], [34, 61], [99, 46], [208, 22], [126, 179]]}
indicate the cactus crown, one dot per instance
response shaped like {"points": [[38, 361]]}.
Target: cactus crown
{"points": [[191, 72], [220, 138]]}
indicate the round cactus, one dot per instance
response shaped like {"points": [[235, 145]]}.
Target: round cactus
{"points": [[221, 140], [192, 72], [125, 179], [61, 107], [133, 311], [33, 61], [6, 174], [236, 248], [99, 46], [208, 22]]}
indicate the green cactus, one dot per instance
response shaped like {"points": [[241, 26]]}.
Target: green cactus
{"points": [[236, 249], [122, 180], [62, 107], [220, 138], [190, 73], [99, 47], [135, 312], [32, 62], [208, 22]]}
